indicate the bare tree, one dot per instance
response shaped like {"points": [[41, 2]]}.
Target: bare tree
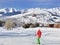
{"points": [[9, 24]]}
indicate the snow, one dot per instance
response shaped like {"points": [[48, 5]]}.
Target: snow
{"points": [[8, 10], [0, 14], [17, 36], [42, 14]]}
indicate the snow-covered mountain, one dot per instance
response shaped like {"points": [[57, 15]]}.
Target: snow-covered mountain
{"points": [[9, 12], [40, 15]]}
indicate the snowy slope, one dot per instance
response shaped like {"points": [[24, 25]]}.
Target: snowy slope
{"points": [[50, 36], [43, 15]]}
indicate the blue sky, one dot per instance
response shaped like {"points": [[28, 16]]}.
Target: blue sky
{"points": [[22, 4]]}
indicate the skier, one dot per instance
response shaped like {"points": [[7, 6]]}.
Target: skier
{"points": [[38, 35]]}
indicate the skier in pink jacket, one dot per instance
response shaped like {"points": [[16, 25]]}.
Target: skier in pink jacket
{"points": [[38, 35]]}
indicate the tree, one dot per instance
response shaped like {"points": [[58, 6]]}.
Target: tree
{"points": [[1, 23], [9, 24]]}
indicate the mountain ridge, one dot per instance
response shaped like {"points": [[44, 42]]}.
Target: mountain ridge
{"points": [[43, 15]]}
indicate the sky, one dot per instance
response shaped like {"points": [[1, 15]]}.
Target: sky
{"points": [[23, 4]]}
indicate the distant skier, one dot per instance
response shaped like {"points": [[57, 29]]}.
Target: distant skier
{"points": [[38, 35]]}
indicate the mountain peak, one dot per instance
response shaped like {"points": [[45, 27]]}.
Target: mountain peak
{"points": [[8, 10], [12, 10]]}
